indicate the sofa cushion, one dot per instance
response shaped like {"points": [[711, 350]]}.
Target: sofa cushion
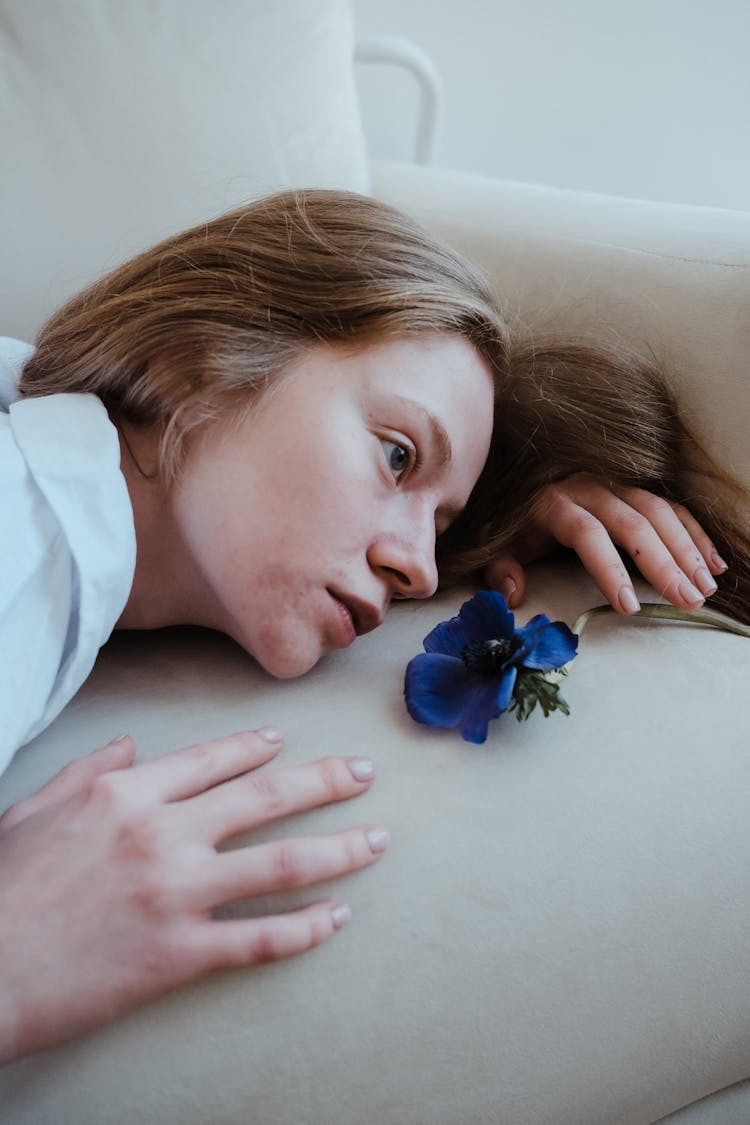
{"points": [[125, 122], [557, 936]]}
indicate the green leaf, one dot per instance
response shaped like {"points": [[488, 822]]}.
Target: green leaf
{"points": [[542, 688]]}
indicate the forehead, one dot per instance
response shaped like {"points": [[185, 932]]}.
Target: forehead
{"points": [[435, 361], [443, 373], [440, 374]]}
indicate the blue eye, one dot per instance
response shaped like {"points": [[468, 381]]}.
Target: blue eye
{"points": [[397, 457]]}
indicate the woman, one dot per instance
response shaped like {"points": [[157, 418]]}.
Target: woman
{"points": [[259, 426]]}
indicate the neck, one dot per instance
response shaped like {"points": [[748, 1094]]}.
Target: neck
{"points": [[166, 590]]}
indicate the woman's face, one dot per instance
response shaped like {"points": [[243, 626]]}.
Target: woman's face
{"points": [[306, 518]]}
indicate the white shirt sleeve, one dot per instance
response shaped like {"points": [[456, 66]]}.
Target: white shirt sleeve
{"points": [[68, 554]]}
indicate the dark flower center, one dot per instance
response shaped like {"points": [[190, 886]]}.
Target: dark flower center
{"points": [[487, 657]]}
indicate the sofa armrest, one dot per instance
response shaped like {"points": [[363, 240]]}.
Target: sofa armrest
{"points": [[673, 278]]}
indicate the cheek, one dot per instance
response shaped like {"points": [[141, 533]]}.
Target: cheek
{"points": [[282, 629], [269, 597], [263, 610], [328, 507]]}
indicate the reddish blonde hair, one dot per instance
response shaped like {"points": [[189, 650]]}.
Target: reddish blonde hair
{"points": [[204, 321]]}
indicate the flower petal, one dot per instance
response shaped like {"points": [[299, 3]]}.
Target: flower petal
{"points": [[486, 617], [546, 644], [442, 692], [475, 721], [449, 638]]}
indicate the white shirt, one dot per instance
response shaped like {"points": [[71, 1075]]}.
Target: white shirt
{"points": [[67, 558]]}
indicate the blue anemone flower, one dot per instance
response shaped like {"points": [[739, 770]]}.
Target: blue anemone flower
{"points": [[478, 664]]}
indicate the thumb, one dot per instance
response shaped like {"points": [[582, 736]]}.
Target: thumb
{"points": [[73, 778], [506, 575]]}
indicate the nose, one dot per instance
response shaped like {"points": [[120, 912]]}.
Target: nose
{"points": [[407, 561]]}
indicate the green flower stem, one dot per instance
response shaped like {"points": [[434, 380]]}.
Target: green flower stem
{"points": [[670, 613]]}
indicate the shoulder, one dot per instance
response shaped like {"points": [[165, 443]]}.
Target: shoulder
{"points": [[66, 513]]}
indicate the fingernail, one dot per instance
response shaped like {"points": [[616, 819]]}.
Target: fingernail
{"points": [[628, 601], [690, 594], [271, 734], [718, 561], [378, 839], [341, 915], [362, 769], [704, 581], [508, 588], [120, 738]]}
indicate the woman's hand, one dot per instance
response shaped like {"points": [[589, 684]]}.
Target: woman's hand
{"points": [[110, 873], [667, 544]]}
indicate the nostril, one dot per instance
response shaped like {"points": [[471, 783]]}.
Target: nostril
{"points": [[401, 578]]}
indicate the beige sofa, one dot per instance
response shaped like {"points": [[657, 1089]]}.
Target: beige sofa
{"points": [[559, 934]]}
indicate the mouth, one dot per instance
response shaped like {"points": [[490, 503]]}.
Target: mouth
{"points": [[363, 616]]}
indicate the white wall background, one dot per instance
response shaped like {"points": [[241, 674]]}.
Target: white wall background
{"points": [[646, 98]]}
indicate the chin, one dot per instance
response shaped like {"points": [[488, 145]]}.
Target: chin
{"points": [[282, 656], [289, 672], [287, 665]]}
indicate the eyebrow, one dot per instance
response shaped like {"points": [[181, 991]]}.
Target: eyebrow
{"points": [[438, 433], [440, 439], [441, 444]]}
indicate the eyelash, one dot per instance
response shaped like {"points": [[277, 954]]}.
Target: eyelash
{"points": [[412, 458]]}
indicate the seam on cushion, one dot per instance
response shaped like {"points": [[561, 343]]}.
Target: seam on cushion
{"points": [[552, 237], [661, 255]]}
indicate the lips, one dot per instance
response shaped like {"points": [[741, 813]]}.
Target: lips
{"points": [[365, 616]]}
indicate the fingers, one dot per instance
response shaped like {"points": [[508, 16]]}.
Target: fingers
{"points": [[506, 575], [236, 944], [681, 534], [713, 559], [75, 777], [668, 546], [285, 865], [184, 773], [652, 532], [253, 800], [586, 529]]}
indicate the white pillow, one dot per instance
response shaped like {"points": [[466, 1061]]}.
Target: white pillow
{"points": [[124, 122]]}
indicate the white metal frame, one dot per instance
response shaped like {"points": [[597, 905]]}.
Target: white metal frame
{"points": [[401, 52]]}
